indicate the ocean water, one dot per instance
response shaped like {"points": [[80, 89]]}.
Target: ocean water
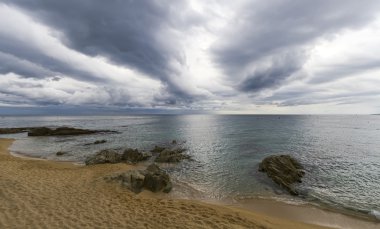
{"points": [[341, 154]]}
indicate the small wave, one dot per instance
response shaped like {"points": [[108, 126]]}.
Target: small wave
{"points": [[376, 214]]}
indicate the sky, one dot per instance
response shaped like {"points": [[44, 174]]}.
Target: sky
{"points": [[190, 56]]}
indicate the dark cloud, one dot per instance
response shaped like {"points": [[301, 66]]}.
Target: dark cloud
{"points": [[139, 34], [349, 68], [279, 69], [25, 60], [267, 29]]}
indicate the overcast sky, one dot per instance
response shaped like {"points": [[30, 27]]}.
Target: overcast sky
{"points": [[241, 56]]}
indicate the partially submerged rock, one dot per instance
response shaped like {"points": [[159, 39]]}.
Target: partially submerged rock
{"points": [[172, 155], [14, 130], [44, 131], [157, 149], [60, 153], [104, 156], [133, 155], [284, 170], [111, 156], [153, 179], [100, 142]]}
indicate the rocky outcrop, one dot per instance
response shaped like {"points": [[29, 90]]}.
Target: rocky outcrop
{"points": [[284, 170], [96, 142], [157, 149], [156, 179], [111, 156], [99, 142], [14, 130], [153, 179], [134, 156], [44, 131], [172, 155], [60, 153], [104, 156]]}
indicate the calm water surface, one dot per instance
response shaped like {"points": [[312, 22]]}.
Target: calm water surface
{"points": [[340, 153]]}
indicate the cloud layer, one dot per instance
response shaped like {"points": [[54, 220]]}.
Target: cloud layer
{"points": [[242, 56]]}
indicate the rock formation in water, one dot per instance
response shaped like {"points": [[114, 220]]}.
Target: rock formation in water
{"points": [[172, 155], [284, 170], [45, 131], [103, 157], [112, 156], [153, 179], [134, 156]]}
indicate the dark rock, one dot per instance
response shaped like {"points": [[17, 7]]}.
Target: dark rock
{"points": [[104, 156], [172, 155], [44, 131], [283, 170], [136, 180], [133, 155], [156, 179], [13, 130], [157, 149], [100, 142], [153, 179], [153, 168], [60, 153]]}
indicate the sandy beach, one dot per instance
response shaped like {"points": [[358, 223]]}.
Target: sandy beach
{"points": [[48, 194]]}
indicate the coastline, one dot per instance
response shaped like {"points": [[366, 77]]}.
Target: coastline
{"points": [[56, 194]]}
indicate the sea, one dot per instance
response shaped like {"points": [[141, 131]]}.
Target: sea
{"points": [[340, 153]]}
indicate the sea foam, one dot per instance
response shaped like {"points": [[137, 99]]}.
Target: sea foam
{"points": [[376, 214]]}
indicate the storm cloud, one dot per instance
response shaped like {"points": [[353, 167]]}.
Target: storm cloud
{"points": [[261, 56], [277, 32]]}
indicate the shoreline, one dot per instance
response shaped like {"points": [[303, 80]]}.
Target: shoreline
{"points": [[88, 180]]}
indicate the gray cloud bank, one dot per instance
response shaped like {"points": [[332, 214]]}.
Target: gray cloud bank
{"points": [[259, 54]]}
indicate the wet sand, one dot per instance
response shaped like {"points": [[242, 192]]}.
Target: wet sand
{"points": [[48, 194]]}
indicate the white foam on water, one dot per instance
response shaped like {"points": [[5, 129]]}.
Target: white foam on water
{"points": [[375, 213]]}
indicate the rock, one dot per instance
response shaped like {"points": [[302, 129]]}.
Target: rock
{"points": [[174, 142], [153, 179], [175, 155], [96, 142], [156, 179], [60, 153], [283, 170], [157, 149], [153, 168], [133, 155], [100, 142], [104, 156], [44, 131], [13, 130]]}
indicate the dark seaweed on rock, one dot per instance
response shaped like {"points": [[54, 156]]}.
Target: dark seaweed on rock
{"points": [[284, 170]]}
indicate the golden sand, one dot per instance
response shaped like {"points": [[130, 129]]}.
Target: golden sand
{"points": [[47, 194]]}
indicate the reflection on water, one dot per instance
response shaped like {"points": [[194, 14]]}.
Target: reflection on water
{"points": [[341, 153]]}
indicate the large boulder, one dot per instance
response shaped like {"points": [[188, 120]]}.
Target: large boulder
{"points": [[153, 179], [172, 155], [156, 179], [104, 156], [284, 170], [134, 156]]}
